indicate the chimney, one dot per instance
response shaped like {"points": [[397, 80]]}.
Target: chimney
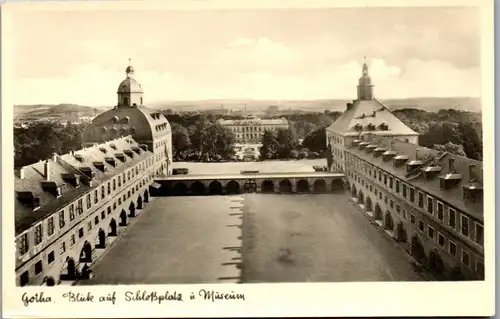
{"points": [[472, 176], [21, 173], [392, 145], [416, 154], [54, 157], [451, 165], [46, 170]]}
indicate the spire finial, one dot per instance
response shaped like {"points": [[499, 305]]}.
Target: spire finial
{"points": [[130, 69]]}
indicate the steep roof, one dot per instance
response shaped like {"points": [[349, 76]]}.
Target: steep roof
{"points": [[34, 176], [453, 196], [366, 112]]}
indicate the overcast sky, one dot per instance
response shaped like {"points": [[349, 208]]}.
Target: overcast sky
{"points": [[80, 57]]}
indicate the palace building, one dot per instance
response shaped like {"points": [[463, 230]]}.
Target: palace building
{"points": [[71, 207], [430, 202], [251, 130], [131, 117]]}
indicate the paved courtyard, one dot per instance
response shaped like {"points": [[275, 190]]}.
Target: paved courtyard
{"points": [[286, 238]]}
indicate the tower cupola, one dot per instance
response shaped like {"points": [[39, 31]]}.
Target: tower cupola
{"points": [[365, 87], [129, 91]]}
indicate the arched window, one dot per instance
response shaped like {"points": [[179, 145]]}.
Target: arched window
{"points": [[125, 100]]}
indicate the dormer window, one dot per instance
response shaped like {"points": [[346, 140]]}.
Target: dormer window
{"points": [[126, 119], [121, 157], [137, 149], [356, 142], [88, 172], [473, 192], [100, 166], [370, 148], [383, 127], [129, 153], [79, 157], [370, 127], [28, 199], [413, 165], [387, 155], [111, 161], [73, 179], [104, 150], [358, 127], [113, 146], [114, 119], [399, 160], [53, 188], [431, 171], [362, 145], [144, 147], [378, 151], [104, 129]]}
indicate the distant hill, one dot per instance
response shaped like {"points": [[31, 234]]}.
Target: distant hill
{"points": [[71, 111], [59, 111]]}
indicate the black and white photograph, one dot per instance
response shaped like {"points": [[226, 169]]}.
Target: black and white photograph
{"points": [[253, 145]]}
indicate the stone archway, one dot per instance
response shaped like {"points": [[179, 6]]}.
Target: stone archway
{"points": [[417, 250], [369, 205], [86, 253], [179, 189], [361, 198], [401, 233], [285, 186], [302, 186], [101, 239], [146, 196], [388, 221], [436, 264], [139, 202], [123, 218], [377, 212], [233, 187], [113, 228], [337, 185], [267, 186], [354, 191], [131, 209], [215, 188], [197, 188], [319, 186]]}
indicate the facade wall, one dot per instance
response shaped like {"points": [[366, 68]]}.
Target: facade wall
{"points": [[252, 132], [72, 226], [435, 228]]}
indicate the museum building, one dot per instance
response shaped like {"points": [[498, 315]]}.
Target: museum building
{"points": [[430, 202], [70, 208], [250, 130]]}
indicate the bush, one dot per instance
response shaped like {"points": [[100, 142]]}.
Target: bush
{"points": [[313, 155], [303, 155], [294, 154]]}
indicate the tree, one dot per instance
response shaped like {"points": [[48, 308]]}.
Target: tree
{"points": [[294, 154], [215, 140], [180, 139], [269, 146], [316, 140], [286, 142], [472, 144], [450, 148]]}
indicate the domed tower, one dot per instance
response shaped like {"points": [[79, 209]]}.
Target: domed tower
{"points": [[365, 87], [131, 118], [129, 91]]}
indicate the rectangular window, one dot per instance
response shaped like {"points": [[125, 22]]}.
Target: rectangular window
{"points": [[80, 232], [390, 182], [420, 200], [50, 226], [114, 184], [480, 269], [119, 201], [89, 226], [421, 225], [38, 234], [385, 179], [398, 209], [397, 186], [392, 204], [51, 257], [440, 239], [103, 215], [89, 201], [124, 180], [452, 248], [404, 190], [109, 188], [464, 223], [61, 219], [430, 207], [479, 234], [79, 208], [103, 194], [23, 244], [96, 220], [412, 195], [465, 258], [71, 212], [430, 232], [109, 210], [38, 267], [440, 211], [452, 217], [24, 279], [119, 181], [72, 240], [63, 247], [96, 196]]}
